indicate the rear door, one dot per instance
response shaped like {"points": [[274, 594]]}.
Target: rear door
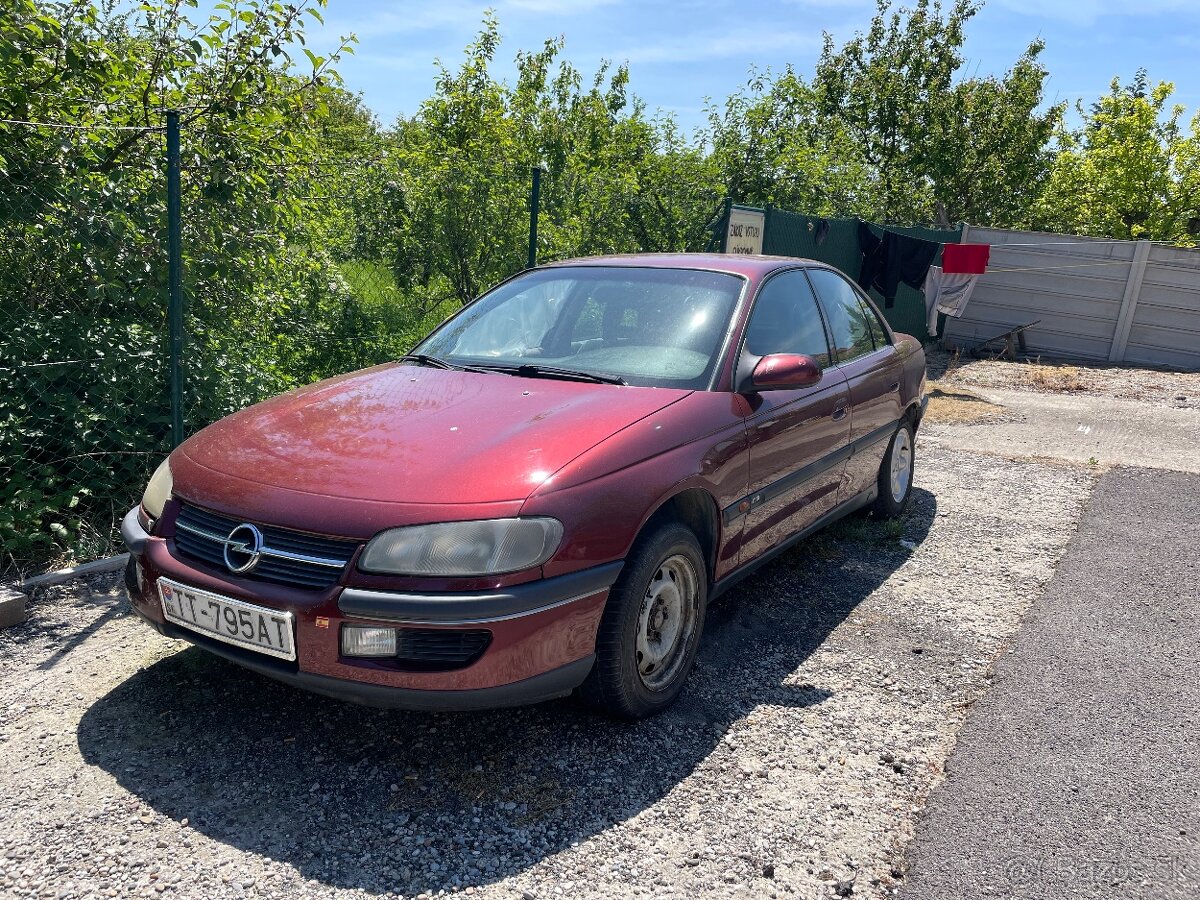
{"points": [[796, 438], [873, 369]]}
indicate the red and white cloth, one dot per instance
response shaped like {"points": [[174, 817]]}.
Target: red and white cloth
{"points": [[948, 287]]}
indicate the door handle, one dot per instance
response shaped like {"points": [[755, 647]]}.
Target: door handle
{"points": [[839, 414], [895, 387]]}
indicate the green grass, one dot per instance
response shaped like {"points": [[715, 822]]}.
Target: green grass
{"points": [[396, 314], [859, 529]]}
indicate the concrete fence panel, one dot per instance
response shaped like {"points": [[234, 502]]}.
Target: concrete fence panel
{"points": [[1165, 329], [1093, 299]]}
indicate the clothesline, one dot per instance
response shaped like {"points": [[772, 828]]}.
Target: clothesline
{"points": [[1112, 262], [1084, 243]]}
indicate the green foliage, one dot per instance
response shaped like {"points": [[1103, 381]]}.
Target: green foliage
{"points": [[83, 399], [1128, 171], [938, 149], [318, 241], [773, 145], [614, 180], [884, 84], [986, 152]]}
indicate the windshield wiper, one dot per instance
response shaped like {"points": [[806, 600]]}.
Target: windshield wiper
{"points": [[436, 362], [533, 370]]}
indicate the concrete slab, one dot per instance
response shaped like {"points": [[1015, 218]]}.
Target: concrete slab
{"points": [[1079, 428], [12, 608]]}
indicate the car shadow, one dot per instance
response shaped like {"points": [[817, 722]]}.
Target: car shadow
{"points": [[410, 802]]}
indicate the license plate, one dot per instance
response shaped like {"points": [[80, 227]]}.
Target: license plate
{"points": [[225, 619]]}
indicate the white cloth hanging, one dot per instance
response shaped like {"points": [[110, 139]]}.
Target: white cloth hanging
{"points": [[946, 292]]}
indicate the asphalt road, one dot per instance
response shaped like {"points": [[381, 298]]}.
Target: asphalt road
{"points": [[1078, 774]]}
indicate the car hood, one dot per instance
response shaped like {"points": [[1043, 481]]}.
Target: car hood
{"points": [[410, 435]]}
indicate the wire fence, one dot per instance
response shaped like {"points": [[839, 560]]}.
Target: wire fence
{"points": [[288, 269], [276, 288], [83, 412]]}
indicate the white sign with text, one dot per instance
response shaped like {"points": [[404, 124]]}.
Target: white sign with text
{"points": [[745, 231]]}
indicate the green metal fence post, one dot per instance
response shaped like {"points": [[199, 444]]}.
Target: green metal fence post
{"points": [[725, 224], [535, 200], [174, 278]]}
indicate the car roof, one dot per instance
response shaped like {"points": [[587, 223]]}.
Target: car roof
{"points": [[735, 264]]}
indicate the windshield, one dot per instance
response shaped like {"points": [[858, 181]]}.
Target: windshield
{"points": [[648, 326]]}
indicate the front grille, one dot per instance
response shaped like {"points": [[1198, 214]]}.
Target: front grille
{"points": [[200, 535], [435, 649]]}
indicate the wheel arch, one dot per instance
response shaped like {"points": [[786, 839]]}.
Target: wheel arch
{"points": [[695, 508], [913, 414]]}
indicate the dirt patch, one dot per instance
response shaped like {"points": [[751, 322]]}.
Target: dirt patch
{"points": [[1159, 387], [959, 407], [1054, 379]]}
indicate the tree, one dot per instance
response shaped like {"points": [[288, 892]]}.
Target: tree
{"points": [[774, 146], [987, 151], [938, 149], [1128, 170], [83, 399], [614, 180]]}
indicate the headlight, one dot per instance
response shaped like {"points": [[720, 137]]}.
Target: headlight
{"points": [[489, 547], [158, 491]]}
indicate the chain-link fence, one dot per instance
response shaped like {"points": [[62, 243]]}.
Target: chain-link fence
{"points": [[288, 268], [83, 408], [279, 283]]}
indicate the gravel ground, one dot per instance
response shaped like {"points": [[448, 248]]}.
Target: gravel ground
{"points": [[1083, 782], [1160, 388], [824, 705]]}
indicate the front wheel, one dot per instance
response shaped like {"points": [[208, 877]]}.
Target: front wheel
{"points": [[896, 474], [651, 626]]}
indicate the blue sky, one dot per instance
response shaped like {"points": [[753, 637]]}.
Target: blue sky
{"points": [[682, 52]]}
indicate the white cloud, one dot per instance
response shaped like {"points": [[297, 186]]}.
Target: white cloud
{"points": [[697, 47], [557, 7], [1088, 12], [409, 18]]}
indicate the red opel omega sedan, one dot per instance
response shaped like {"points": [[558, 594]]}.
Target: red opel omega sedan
{"points": [[543, 497]]}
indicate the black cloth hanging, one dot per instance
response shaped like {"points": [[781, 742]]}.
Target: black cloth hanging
{"points": [[894, 258], [872, 257], [821, 232]]}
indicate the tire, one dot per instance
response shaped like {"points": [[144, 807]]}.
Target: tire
{"points": [[664, 583], [896, 473]]}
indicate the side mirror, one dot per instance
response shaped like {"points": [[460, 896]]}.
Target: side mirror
{"points": [[780, 371]]}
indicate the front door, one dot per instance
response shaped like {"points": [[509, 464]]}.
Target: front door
{"points": [[873, 369], [796, 439]]}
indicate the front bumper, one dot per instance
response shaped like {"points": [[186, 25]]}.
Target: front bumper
{"points": [[542, 645]]}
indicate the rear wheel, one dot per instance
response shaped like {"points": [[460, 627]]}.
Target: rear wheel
{"points": [[896, 473], [651, 626]]}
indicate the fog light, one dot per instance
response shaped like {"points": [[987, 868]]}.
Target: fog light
{"points": [[360, 641]]}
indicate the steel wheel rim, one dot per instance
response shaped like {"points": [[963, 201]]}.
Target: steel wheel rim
{"points": [[667, 621], [901, 467]]}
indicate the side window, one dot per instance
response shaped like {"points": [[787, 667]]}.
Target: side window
{"points": [[848, 321], [785, 319], [878, 333]]}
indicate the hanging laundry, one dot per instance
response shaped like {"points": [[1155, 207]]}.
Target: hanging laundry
{"points": [[822, 232], [965, 259], [946, 292], [894, 258], [872, 257]]}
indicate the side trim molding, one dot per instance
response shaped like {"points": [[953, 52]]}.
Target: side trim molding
{"points": [[793, 480], [838, 512]]}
